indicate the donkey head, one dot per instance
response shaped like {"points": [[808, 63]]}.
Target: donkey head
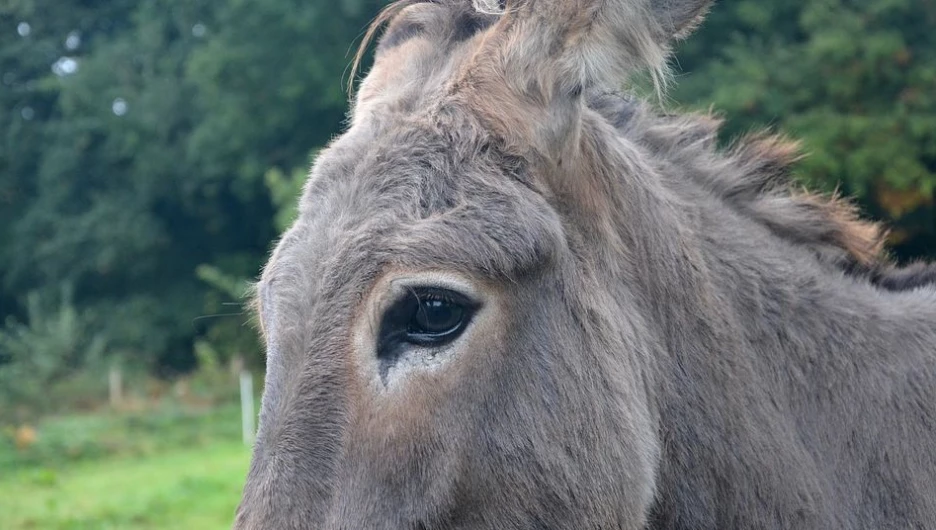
{"points": [[444, 330]]}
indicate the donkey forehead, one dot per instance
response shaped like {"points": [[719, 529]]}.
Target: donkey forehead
{"points": [[415, 199]]}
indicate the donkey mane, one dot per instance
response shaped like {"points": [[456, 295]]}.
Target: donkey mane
{"points": [[754, 178]]}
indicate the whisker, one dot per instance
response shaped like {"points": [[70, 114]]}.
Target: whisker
{"points": [[217, 315]]}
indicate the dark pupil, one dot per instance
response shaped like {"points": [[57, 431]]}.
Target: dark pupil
{"points": [[436, 317]]}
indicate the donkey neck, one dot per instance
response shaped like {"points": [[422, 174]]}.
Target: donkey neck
{"points": [[767, 354]]}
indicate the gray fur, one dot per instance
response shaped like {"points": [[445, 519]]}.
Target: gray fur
{"points": [[681, 341]]}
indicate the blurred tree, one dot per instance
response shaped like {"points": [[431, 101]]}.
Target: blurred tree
{"points": [[45, 353], [105, 213], [855, 81], [137, 139], [34, 48]]}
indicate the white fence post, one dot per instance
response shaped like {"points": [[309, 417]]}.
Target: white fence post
{"points": [[115, 385], [247, 407]]}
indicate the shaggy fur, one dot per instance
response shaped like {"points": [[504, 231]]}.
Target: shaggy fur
{"points": [[669, 336], [754, 180]]}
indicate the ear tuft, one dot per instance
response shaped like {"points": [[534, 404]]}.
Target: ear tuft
{"points": [[679, 18], [542, 55]]}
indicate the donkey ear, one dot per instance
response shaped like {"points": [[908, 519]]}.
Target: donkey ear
{"points": [[543, 55], [679, 18], [578, 43]]}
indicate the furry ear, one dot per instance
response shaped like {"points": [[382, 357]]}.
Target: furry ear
{"points": [[679, 18], [580, 43], [552, 51]]}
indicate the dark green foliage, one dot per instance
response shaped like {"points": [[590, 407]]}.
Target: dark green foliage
{"points": [[143, 161], [154, 177], [855, 81], [46, 360]]}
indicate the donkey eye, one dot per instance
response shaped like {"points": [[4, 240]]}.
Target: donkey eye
{"points": [[426, 316], [437, 318]]}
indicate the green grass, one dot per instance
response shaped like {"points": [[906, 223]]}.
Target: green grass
{"points": [[66, 440], [196, 489], [169, 468]]}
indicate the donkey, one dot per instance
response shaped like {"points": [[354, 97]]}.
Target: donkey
{"points": [[516, 298]]}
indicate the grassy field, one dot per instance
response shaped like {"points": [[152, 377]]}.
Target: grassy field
{"points": [[169, 468]]}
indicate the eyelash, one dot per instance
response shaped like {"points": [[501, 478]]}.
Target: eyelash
{"points": [[429, 294]]}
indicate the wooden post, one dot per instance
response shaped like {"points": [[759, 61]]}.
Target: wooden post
{"points": [[247, 407], [115, 386]]}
